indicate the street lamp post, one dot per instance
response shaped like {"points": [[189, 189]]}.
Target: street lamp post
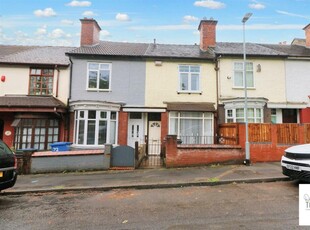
{"points": [[247, 144]]}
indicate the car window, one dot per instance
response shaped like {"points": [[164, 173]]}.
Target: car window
{"points": [[4, 149]]}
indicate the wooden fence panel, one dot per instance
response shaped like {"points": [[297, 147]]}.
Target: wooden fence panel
{"points": [[307, 133], [288, 133], [228, 134], [259, 132]]}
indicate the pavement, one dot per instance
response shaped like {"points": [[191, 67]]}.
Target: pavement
{"points": [[148, 178]]}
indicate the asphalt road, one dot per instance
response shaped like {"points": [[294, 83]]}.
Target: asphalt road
{"points": [[233, 206]]}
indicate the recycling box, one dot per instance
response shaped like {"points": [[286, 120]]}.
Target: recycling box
{"points": [[60, 146]]}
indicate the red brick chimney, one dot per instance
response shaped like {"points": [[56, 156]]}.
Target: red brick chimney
{"points": [[90, 31], [307, 32], [207, 30]]}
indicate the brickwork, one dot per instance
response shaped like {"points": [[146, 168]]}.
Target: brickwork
{"points": [[164, 125], [122, 128], [207, 30], [194, 155], [90, 31], [307, 32]]}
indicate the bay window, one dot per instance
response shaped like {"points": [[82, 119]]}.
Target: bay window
{"points": [[95, 127]]}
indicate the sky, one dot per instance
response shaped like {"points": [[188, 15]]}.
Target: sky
{"points": [[57, 22]]}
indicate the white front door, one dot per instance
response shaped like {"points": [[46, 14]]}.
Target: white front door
{"points": [[135, 131], [154, 142]]}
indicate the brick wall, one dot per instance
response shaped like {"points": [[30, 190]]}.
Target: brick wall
{"points": [[270, 151], [207, 30], [194, 155]]}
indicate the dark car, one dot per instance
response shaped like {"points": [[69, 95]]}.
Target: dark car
{"points": [[8, 163]]}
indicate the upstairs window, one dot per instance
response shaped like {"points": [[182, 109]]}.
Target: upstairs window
{"points": [[99, 76], [238, 75], [41, 81], [189, 76]]}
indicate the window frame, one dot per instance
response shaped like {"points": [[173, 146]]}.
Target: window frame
{"points": [[231, 115], [242, 86], [97, 88], [32, 85], [201, 116], [111, 117], [29, 133], [190, 75]]}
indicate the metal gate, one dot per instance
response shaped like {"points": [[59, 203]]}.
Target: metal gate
{"points": [[123, 156], [155, 157]]}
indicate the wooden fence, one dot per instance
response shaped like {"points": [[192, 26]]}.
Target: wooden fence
{"points": [[228, 134], [287, 134]]}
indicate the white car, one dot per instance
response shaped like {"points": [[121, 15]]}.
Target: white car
{"points": [[296, 162]]}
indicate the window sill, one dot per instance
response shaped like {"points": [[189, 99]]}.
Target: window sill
{"points": [[189, 92], [242, 88], [99, 90]]}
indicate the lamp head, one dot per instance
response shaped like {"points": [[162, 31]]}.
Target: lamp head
{"points": [[246, 17]]}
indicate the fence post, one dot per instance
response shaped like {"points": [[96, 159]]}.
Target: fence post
{"points": [[137, 150]]}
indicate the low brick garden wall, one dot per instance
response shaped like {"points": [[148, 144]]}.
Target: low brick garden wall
{"points": [[78, 160]]}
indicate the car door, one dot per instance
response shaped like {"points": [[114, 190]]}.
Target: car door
{"points": [[6, 157]]}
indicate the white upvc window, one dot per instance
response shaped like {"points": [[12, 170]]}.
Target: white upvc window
{"points": [[255, 115], [189, 78], [192, 127], [238, 75], [99, 76], [95, 127]]}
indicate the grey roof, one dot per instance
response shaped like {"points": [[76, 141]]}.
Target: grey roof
{"points": [[290, 50], [178, 51], [230, 48], [113, 49], [31, 101], [44, 55], [143, 50]]}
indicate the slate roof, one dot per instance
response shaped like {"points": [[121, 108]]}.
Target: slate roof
{"points": [[290, 50], [252, 49], [44, 55], [152, 50], [143, 50]]}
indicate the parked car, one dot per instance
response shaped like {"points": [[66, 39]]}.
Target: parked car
{"points": [[8, 167], [296, 162]]}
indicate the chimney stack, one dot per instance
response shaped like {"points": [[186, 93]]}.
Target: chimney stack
{"points": [[90, 31], [307, 32], [207, 30]]}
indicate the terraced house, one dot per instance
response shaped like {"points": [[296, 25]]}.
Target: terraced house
{"points": [[34, 91], [127, 92]]}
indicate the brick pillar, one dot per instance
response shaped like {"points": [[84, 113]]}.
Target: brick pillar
{"points": [[164, 125], [122, 128], [171, 150]]}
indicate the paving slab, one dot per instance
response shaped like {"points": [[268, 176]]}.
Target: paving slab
{"points": [[148, 178]]}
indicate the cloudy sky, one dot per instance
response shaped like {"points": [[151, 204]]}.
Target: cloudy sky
{"points": [[56, 22]]}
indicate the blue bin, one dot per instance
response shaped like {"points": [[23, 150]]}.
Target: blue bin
{"points": [[60, 146]]}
